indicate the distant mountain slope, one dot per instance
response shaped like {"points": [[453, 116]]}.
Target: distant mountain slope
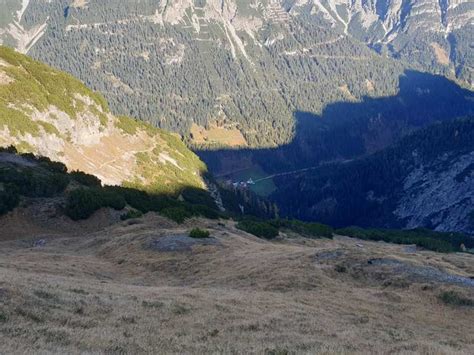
{"points": [[348, 130], [50, 113], [233, 72], [229, 65], [425, 180], [434, 34]]}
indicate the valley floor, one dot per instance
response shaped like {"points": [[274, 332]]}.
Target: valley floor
{"points": [[143, 286]]}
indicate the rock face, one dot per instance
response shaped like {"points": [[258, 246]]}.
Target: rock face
{"points": [[439, 194], [425, 180], [415, 30], [47, 112]]}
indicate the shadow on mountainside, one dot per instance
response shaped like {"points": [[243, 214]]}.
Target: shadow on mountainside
{"points": [[346, 130]]}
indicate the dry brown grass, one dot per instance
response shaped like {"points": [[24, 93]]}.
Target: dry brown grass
{"points": [[231, 137], [107, 292]]}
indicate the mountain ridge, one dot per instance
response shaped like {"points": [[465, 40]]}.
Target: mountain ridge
{"points": [[47, 112]]}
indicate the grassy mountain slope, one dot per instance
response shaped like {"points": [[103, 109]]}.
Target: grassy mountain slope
{"points": [[48, 112], [113, 289], [425, 180]]}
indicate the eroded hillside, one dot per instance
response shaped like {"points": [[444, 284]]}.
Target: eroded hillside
{"points": [[50, 113]]}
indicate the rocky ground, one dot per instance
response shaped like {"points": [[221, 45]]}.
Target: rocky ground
{"points": [[144, 286]]}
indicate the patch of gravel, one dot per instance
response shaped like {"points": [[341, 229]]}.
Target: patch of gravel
{"points": [[178, 243], [421, 273]]}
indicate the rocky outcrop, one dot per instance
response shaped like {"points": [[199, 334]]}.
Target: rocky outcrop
{"points": [[439, 194]]}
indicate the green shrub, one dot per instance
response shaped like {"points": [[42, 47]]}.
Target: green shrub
{"points": [[34, 183], [312, 230], [428, 239], [204, 211], [3, 317], [53, 166], [258, 228], [82, 203], [85, 179], [177, 214], [10, 149], [111, 198], [199, 233], [143, 201], [199, 197], [454, 298], [9, 198]]}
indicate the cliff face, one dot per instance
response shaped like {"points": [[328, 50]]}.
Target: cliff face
{"points": [[440, 194], [430, 33]]}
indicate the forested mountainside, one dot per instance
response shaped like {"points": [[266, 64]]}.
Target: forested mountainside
{"points": [[233, 72], [346, 130], [425, 180], [50, 113], [437, 35], [236, 66]]}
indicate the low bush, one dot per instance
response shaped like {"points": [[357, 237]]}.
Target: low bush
{"points": [[144, 202], [34, 183], [110, 198], [3, 317], [45, 185], [204, 211], [9, 198], [82, 203], [85, 179], [311, 230], [454, 298], [177, 214], [431, 240], [260, 229], [53, 166], [198, 197], [199, 233]]}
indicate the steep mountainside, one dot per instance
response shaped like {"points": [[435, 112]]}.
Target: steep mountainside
{"points": [[425, 180], [435, 34], [259, 61], [347, 130], [50, 113]]}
